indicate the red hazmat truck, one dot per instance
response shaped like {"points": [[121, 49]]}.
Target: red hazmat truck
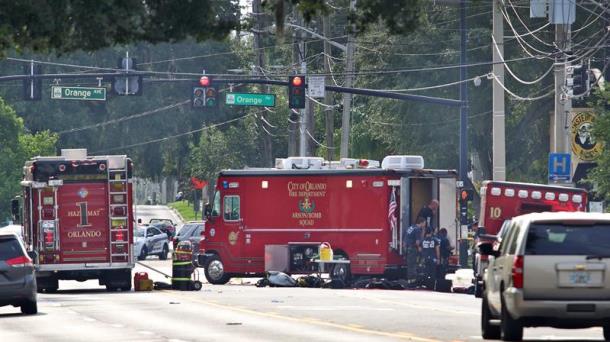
{"points": [[274, 219], [501, 201], [78, 218]]}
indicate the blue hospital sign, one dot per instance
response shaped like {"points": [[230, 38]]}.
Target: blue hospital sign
{"points": [[559, 166]]}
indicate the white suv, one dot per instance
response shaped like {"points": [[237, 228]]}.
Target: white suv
{"points": [[551, 269]]}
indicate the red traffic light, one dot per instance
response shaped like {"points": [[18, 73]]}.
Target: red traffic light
{"points": [[297, 81], [204, 81]]}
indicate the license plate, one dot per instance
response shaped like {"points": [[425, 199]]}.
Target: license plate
{"points": [[580, 278]]}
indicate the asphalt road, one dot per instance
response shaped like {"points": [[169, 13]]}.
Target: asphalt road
{"points": [[242, 312], [147, 212]]}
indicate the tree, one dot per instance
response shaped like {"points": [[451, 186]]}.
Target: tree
{"points": [[66, 25], [16, 146]]}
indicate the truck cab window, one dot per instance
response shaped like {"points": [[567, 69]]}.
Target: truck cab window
{"points": [[231, 208], [216, 207]]}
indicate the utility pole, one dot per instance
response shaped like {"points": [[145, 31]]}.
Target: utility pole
{"points": [[347, 97], [303, 113], [563, 103], [294, 113], [260, 63], [463, 96], [498, 121], [330, 112]]}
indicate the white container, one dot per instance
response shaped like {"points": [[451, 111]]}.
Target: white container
{"points": [[403, 162], [301, 163]]}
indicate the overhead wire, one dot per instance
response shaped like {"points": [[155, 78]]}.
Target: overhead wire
{"points": [[174, 136]]}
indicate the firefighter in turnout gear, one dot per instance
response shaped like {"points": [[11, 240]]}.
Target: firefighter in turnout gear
{"points": [[412, 243]]}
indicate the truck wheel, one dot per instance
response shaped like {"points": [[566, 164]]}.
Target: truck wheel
{"points": [[215, 271], [143, 253], [164, 252], [511, 329], [29, 307], [607, 332], [341, 273], [488, 331]]}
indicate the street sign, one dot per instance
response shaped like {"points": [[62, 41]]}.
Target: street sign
{"points": [[559, 167], [247, 99], [78, 93], [315, 86]]}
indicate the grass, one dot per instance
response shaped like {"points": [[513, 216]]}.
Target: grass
{"points": [[186, 210]]}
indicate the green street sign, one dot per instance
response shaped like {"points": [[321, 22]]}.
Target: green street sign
{"points": [[78, 93], [245, 99]]}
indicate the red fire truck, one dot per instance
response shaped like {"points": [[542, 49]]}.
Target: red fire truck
{"points": [[276, 218], [501, 201], [78, 218]]}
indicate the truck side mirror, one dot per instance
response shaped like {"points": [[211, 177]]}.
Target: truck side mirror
{"points": [[15, 210], [207, 211], [487, 249]]}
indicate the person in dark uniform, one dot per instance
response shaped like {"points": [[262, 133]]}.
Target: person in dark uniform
{"points": [[412, 243], [430, 251], [445, 249], [428, 212]]}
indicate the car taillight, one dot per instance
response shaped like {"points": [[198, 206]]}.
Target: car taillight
{"points": [[484, 257], [518, 272], [21, 261]]}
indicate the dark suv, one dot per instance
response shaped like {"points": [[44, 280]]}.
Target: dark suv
{"points": [[17, 279]]}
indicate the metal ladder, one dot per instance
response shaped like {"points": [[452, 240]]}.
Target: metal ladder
{"points": [[118, 222]]}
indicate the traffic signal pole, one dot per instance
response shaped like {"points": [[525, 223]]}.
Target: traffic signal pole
{"points": [[347, 97]]}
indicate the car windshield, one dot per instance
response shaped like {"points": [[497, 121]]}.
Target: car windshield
{"points": [[560, 239], [186, 230], [140, 232], [9, 248]]}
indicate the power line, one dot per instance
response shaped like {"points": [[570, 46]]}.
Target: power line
{"points": [[173, 136], [114, 121]]}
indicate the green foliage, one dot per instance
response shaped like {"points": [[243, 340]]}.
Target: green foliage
{"points": [[16, 146], [186, 210], [65, 25]]}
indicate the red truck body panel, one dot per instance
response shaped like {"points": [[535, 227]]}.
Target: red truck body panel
{"points": [[348, 209], [78, 217], [497, 206]]}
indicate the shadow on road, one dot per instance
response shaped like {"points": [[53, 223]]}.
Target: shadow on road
{"points": [[19, 314]]}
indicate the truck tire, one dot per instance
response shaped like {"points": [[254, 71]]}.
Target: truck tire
{"points": [[164, 252], [488, 331], [115, 280], [607, 332], [511, 329], [143, 253], [214, 271], [29, 307]]}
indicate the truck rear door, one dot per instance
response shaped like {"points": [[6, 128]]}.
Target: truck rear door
{"points": [[83, 222]]}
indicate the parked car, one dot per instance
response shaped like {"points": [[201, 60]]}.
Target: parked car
{"points": [[551, 269], [191, 231], [17, 278], [165, 225], [149, 240]]}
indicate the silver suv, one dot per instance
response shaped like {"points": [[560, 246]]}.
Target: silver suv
{"points": [[17, 279], [551, 269]]}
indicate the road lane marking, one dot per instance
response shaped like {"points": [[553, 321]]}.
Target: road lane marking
{"points": [[401, 335]]}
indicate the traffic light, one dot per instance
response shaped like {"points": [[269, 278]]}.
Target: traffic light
{"points": [[127, 85], [198, 97], [296, 91], [466, 195], [211, 97], [204, 94], [580, 80]]}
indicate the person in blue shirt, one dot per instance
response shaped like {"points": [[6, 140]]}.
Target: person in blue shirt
{"points": [[412, 243]]}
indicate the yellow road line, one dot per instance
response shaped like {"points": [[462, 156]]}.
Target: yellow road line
{"points": [[309, 320]]}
